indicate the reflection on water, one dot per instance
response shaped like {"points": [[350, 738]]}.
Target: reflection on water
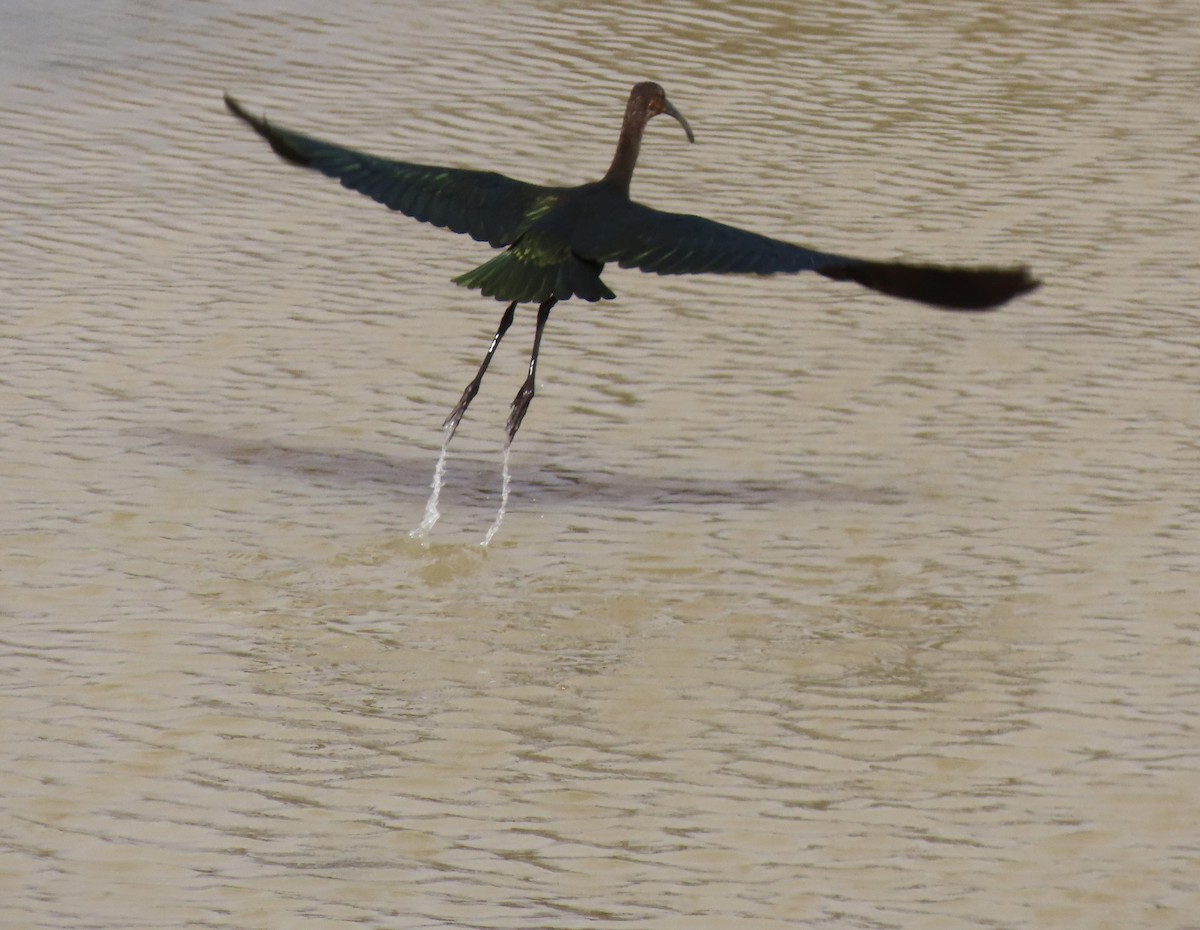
{"points": [[810, 607]]}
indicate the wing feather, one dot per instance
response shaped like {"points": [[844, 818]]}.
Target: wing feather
{"points": [[636, 236], [486, 205]]}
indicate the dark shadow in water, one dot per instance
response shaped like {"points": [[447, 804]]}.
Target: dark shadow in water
{"points": [[551, 485]]}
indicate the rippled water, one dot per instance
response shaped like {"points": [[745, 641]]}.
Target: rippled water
{"points": [[811, 608]]}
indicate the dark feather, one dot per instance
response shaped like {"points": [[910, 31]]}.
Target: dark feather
{"points": [[951, 288], [637, 236], [487, 206], [538, 266]]}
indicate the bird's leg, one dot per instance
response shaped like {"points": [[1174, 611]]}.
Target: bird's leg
{"points": [[451, 422], [520, 403]]}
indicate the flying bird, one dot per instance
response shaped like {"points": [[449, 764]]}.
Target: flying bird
{"points": [[557, 240]]}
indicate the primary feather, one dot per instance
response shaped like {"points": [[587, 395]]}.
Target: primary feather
{"points": [[483, 204]]}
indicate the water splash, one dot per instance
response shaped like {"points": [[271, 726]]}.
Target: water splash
{"points": [[432, 514], [505, 484]]}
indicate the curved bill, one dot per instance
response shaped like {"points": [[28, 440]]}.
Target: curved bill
{"points": [[669, 109]]}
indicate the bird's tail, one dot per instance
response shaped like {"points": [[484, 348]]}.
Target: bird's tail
{"points": [[939, 286], [516, 274]]}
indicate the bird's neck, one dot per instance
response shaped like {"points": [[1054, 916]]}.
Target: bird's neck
{"points": [[620, 172]]}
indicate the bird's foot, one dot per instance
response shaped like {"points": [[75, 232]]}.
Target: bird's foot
{"points": [[520, 405], [450, 424]]}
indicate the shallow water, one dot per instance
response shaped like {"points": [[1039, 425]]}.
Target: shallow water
{"points": [[810, 607]]}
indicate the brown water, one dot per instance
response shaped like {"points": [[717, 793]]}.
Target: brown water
{"points": [[811, 608]]}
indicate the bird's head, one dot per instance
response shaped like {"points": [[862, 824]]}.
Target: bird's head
{"points": [[649, 99]]}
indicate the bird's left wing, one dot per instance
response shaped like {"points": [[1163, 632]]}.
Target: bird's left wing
{"points": [[487, 206]]}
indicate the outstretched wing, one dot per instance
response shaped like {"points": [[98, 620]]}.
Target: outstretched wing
{"points": [[636, 236], [487, 206]]}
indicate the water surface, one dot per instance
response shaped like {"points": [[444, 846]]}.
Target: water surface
{"points": [[811, 607]]}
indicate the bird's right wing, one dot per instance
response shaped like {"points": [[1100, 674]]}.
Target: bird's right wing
{"points": [[636, 236], [487, 206]]}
